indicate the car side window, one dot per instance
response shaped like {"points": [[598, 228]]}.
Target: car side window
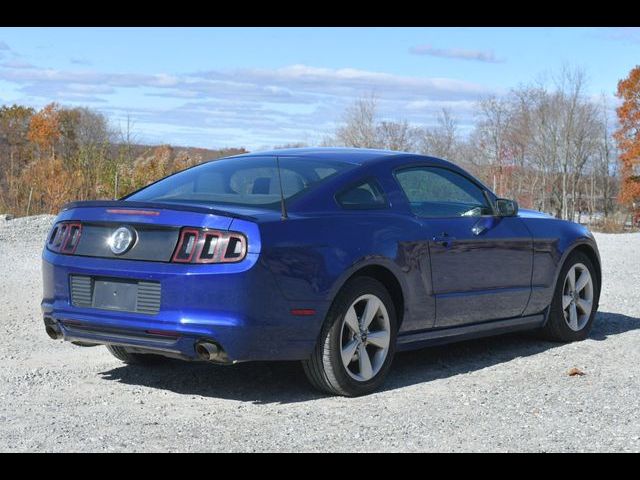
{"points": [[439, 192], [364, 195]]}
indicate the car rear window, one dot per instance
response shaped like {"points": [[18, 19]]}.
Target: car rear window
{"points": [[244, 181]]}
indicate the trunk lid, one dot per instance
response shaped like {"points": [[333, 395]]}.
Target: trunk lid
{"points": [[155, 226]]}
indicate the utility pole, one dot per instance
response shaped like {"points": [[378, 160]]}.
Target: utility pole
{"points": [[29, 202]]}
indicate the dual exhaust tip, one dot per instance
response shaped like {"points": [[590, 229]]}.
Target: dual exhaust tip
{"points": [[206, 350]]}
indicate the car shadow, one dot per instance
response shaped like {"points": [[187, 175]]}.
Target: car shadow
{"points": [[285, 382]]}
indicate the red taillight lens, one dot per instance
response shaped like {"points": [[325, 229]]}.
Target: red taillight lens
{"points": [[65, 237], [209, 246], [187, 245], [235, 248], [72, 238]]}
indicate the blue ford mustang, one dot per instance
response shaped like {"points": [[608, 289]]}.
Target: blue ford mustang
{"points": [[335, 257]]}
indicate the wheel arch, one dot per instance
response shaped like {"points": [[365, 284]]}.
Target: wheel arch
{"points": [[384, 273], [555, 328], [586, 247], [590, 252]]}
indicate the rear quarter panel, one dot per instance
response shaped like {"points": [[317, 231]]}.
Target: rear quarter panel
{"points": [[311, 258]]}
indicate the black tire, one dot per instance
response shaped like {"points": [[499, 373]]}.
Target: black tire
{"points": [[556, 329], [325, 369], [130, 358]]}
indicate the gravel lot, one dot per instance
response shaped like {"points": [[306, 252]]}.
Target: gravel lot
{"points": [[509, 393]]}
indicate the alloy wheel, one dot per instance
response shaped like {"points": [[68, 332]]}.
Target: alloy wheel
{"points": [[577, 297], [365, 337]]}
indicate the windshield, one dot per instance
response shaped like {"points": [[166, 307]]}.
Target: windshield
{"points": [[244, 181]]}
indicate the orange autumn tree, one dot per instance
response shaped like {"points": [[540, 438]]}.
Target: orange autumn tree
{"points": [[628, 137], [150, 168], [44, 129], [51, 184]]}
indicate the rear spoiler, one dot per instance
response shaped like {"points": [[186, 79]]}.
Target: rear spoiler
{"points": [[156, 206]]}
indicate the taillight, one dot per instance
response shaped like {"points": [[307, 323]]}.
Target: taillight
{"points": [[187, 245], [65, 237], [209, 246]]}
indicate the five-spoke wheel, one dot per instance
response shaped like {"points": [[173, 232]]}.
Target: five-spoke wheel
{"points": [[357, 342], [366, 334], [577, 297], [575, 300]]}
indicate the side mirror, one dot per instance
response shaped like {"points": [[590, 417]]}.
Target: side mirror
{"points": [[506, 208]]}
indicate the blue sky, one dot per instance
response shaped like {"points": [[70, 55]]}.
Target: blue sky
{"points": [[259, 87]]}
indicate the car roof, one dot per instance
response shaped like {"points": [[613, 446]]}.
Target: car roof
{"points": [[363, 157], [356, 156]]}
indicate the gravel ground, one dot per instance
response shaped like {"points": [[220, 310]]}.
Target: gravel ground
{"points": [[509, 393]]}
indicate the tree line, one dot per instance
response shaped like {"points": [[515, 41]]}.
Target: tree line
{"points": [[551, 147], [56, 154]]}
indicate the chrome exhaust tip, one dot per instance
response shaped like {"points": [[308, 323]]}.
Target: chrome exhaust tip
{"points": [[53, 331], [207, 351]]}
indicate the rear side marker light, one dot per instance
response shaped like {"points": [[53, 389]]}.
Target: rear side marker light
{"points": [[71, 322], [163, 333], [65, 237], [303, 312], [209, 246]]}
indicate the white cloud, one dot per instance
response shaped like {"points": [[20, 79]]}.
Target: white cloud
{"points": [[164, 80], [244, 106], [440, 104], [17, 64], [295, 83], [457, 53], [346, 81], [84, 88]]}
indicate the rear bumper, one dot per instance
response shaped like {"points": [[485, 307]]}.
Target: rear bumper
{"points": [[238, 306]]}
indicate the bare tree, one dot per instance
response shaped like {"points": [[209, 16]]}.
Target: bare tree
{"points": [[492, 131], [360, 124], [547, 145], [606, 165], [14, 127], [363, 129], [124, 158], [442, 140], [399, 136]]}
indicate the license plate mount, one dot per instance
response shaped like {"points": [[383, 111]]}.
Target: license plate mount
{"points": [[115, 294]]}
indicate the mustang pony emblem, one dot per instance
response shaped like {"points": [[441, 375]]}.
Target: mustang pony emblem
{"points": [[122, 240]]}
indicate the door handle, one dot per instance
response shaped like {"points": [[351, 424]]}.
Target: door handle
{"points": [[444, 239]]}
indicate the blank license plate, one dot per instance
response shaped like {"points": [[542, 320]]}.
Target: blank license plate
{"points": [[115, 295]]}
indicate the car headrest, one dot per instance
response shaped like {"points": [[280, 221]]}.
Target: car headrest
{"points": [[261, 185]]}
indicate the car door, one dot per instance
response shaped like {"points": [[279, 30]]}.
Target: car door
{"points": [[481, 263]]}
